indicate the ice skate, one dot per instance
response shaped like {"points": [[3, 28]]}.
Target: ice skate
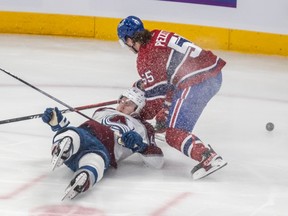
{"points": [[61, 152], [210, 163], [80, 183]]}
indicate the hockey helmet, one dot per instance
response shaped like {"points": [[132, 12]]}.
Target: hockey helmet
{"points": [[128, 27], [136, 96]]}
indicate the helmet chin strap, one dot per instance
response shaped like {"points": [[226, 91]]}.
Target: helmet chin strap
{"points": [[122, 43], [133, 48]]}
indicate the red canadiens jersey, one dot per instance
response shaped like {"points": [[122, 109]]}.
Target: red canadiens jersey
{"points": [[170, 61]]}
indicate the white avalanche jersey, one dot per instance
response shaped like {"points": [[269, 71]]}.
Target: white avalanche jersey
{"points": [[121, 123]]}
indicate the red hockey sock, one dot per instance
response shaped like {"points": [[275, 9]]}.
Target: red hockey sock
{"points": [[185, 142]]}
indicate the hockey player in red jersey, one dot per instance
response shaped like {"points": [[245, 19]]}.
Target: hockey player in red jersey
{"points": [[112, 135], [179, 79]]}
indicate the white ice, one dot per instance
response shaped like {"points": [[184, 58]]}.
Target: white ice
{"points": [[83, 71]]}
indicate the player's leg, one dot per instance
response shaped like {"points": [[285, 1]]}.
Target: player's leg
{"points": [[193, 147], [65, 143], [89, 164], [187, 106], [91, 170]]}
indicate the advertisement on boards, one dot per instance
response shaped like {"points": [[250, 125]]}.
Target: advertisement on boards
{"points": [[223, 3]]}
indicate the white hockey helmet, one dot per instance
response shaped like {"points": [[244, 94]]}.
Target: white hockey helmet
{"points": [[136, 96]]}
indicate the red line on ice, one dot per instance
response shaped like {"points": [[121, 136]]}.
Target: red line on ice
{"points": [[170, 204], [22, 188]]}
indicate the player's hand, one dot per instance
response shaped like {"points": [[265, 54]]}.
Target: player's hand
{"points": [[161, 120], [54, 118], [133, 141], [139, 84]]}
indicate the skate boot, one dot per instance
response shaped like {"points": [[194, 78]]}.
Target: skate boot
{"points": [[210, 163], [79, 184], [61, 152]]}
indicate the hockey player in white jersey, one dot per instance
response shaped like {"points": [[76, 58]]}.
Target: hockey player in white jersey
{"points": [[95, 145]]}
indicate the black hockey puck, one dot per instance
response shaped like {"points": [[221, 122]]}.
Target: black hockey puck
{"points": [[269, 126]]}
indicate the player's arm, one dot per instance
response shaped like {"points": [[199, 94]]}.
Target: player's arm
{"points": [[152, 156], [151, 109], [54, 118]]}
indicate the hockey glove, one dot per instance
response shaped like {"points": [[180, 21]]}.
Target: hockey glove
{"points": [[55, 119], [162, 116], [133, 141], [139, 84], [161, 120]]}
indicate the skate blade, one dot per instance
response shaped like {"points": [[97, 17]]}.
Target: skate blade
{"points": [[70, 192], [56, 160], [200, 175]]}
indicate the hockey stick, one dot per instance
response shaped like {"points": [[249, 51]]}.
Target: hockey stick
{"points": [[46, 94], [160, 137], [62, 111]]}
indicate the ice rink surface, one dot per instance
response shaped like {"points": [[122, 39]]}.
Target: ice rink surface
{"points": [[81, 72]]}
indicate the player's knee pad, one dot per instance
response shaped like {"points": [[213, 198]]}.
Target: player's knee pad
{"points": [[68, 133], [95, 164]]}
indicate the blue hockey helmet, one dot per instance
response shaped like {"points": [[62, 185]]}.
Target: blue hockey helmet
{"points": [[128, 27]]}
